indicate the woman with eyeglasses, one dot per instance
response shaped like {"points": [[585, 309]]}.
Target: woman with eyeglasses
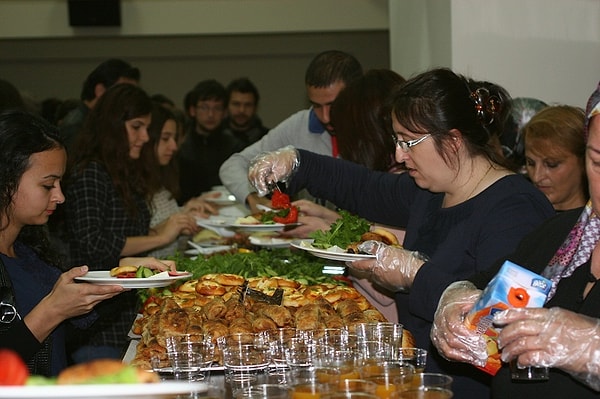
{"points": [[461, 207]]}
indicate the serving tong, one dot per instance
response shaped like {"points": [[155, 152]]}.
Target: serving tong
{"points": [[275, 299]]}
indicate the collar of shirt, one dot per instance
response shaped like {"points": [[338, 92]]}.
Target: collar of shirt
{"points": [[314, 124]]}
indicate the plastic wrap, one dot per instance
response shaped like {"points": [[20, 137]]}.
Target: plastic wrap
{"points": [[267, 169]]}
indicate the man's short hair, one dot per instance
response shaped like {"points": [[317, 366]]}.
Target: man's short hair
{"points": [[209, 89], [108, 73], [242, 85], [332, 66]]}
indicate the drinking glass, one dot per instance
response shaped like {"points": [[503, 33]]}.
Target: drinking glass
{"points": [[187, 365], [529, 373], [357, 385], [423, 393], [244, 363], [429, 380], [415, 356], [263, 391]]}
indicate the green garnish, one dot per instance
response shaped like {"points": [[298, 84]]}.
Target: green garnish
{"points": [[344, 231]]}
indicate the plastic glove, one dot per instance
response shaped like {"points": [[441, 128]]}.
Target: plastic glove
{"points": [[552, 338], [449, 333], [393, 268], [267, 169]]}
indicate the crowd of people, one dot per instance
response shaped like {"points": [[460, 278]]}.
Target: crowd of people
{"points": [[442, 159]]}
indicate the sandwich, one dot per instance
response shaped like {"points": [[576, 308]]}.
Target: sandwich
{"points": [[377, 234], [124, 271], [104, 371]]}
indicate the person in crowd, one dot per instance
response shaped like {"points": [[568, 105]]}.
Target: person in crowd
{"points": [[364, 135], [106, 74], [327, 74], [36, 298], [565, 333], [460, 206], [361, 117], [159, 154], [206, 145], [108, 216], [555, 155], [10, 96], [242, 105], [511, 139]]}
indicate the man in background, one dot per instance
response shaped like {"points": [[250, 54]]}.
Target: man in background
{"points": [[242, 120], [310, 129], [105, 75], [206, 145]]}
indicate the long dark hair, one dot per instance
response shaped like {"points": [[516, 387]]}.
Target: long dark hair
{"points": [[103, 139], [440, 100], [361, 117], [23, 134], [160, 176]]}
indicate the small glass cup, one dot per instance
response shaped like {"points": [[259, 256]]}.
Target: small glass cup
{"points": [[389, 368], [161, 365], [431, 380], [262, 391], [187, 366], [415, 356], [423, 393], [356, 385], [528, 373], [308, 390]]}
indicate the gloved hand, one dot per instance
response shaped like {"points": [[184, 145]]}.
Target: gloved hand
{"points": [[552, 338], [449, 333], [393, 268], [267, 169]]}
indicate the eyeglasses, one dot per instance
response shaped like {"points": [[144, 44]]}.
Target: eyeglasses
{"points": [[406, 145]]}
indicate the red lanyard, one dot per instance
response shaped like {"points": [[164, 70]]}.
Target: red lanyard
{"points": [[334, 147]]}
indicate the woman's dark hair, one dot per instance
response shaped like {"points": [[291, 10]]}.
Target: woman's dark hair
{"points": [[440, 100], [361, 117], [160, 176], [23, 134], [104, 139]]}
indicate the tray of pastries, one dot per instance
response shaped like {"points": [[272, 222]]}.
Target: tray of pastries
{"points": [[220, 304]]}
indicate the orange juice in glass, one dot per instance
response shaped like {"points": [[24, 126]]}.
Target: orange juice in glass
{"points": [[385, 386], [423, 393], [327, 375], [306, 391]]}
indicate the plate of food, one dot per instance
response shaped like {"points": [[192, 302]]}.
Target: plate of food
{"points": [[270, 241], [130, 277], [331, 253], [263, 226]]}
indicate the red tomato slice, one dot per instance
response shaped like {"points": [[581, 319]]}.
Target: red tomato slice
{"points": [[126, 275], [13, 370]]}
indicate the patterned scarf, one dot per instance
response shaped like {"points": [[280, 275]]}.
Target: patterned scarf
{"points": [[579, 244], [576, 249]]}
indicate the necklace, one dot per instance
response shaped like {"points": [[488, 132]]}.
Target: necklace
{"points": [[479, 182]]}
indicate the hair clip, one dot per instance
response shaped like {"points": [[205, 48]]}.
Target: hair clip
{"points": [[486, 105]]}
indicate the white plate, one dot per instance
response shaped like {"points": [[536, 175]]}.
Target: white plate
{"points": [[334, 253], [264, 227], [157, 390], [103, 277], [270, 242], [218, 226], [199, 249]]}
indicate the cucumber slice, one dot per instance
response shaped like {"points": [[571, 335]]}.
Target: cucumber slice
{"points": [[139, 273], [147, 272]]}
